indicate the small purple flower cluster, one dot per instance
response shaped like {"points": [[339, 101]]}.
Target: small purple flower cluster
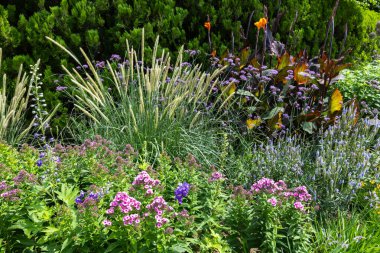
{"points": [[159, 206], [3, 186], [23, 176], [88, 202], [182, 191], [82, 199], [115, 57], [192, 52], [215, 176], [60, 88], [144, 179], [11, 195], [100, 64]]}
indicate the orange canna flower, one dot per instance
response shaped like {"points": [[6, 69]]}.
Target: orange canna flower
{"points": [[207, 25], [213, 53], [261, 23]]}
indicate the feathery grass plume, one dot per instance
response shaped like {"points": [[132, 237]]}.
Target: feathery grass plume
{"points": [[13, 127], [160, 103]]}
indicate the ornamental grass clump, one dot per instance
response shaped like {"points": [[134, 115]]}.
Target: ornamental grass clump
{"points": [[158, 104], [13, 128]]}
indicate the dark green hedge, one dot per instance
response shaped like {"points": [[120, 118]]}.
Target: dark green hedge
{"points": [[101, 26]]}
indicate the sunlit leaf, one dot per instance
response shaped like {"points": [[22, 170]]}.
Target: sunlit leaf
{"points": [[255, 63], [232, 89], [336, 102], [283, 61], [253, 123], [298, 73]]}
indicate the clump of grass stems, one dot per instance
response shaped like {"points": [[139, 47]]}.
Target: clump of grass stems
{"points": [[160, 104]]}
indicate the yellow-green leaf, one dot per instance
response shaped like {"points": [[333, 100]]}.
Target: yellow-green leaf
{"points": [[336, 102]]}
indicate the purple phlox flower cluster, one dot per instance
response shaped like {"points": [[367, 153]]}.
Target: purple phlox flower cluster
{"points": [[268, 185], [131, 219], [115, 57], [215, 176], [280, 190], [159, 206], [182, 191], [301, 194], [144, 179]]}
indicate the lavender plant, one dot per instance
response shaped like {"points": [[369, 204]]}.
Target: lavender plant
{"points": [[344, 157]]}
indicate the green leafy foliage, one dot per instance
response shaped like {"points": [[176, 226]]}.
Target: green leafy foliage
{"points": [[362, 83]]}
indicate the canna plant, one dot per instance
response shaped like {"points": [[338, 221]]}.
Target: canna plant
{"points": [[282, 90]]}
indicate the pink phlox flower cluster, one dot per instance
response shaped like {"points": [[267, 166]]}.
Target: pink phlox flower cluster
{"points": [[107, 223], [144, 179], [301, 194], [159, 206], [125, 202], [298, 205], [215, 176], [279, 189], [272, 201], [131, 219], [268, 185]]}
